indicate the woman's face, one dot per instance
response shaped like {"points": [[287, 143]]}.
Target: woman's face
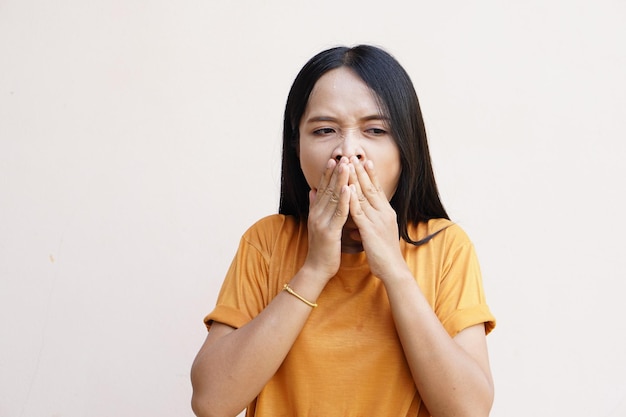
{"points": [[342, 118]]}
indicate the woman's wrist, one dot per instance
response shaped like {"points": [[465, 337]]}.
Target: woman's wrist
{"points": [[308, 283], [399, 277]]}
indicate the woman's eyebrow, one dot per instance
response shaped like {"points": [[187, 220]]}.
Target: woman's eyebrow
{"points": [[315, 119], [321, 119], [375, 117]]}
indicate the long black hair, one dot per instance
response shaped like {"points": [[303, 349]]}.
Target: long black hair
{"points": [[416, 198]]}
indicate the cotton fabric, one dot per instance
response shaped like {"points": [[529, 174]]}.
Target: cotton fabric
{"points": [[348, 360]]}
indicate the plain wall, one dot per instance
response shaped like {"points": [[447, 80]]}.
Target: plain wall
{"points": [[138, 140]]}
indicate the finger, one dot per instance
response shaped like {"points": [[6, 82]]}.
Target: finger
{"points": [[330, 207], [353, 181], [368, 181], [338, 178], [340, 215], [318, 199], [356, 207], [312, 197], [326, 177]]}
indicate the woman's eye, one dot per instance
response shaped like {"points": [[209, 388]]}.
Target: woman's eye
{"points": [[376, 131], [324, 131]]}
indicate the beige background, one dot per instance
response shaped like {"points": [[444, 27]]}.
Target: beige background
{"points": [[139, 139]]}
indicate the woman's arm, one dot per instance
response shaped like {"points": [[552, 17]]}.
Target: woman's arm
{"points": [[233, 365], [452, 375]]}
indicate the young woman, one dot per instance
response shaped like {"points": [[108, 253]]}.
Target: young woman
{"points": [[361, 298]]}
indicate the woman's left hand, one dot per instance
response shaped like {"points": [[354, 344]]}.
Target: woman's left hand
{"points": [[376, 220]]}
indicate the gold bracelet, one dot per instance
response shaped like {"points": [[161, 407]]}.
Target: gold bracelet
{"points": [[287, 288]]}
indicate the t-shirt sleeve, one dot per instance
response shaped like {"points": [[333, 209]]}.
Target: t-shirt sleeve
{"points": [[244, 291], [461, 300]]}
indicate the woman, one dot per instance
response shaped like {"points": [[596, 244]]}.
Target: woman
{"points": [[360, 298]]}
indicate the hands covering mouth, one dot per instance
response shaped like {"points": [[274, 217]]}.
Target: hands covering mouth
{"points": [[349, 212]]}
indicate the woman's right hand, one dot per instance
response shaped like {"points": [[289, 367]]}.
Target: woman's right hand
{"points": [[329, 207]]}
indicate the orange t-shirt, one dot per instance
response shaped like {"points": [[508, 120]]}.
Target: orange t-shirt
{"points": [[348, 360]]}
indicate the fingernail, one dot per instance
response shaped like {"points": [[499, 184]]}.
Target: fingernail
{"points": [[370, 164]]}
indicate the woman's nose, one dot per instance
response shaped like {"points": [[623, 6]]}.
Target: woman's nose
{"points": [[349, 146], [338, 157]]}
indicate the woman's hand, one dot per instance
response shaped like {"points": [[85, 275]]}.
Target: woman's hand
{"points": [[328, 212], [376, 220]]}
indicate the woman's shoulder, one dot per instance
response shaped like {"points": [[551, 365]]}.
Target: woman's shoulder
{"points": [[270, 228], [275, 233], [274, 222]]}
